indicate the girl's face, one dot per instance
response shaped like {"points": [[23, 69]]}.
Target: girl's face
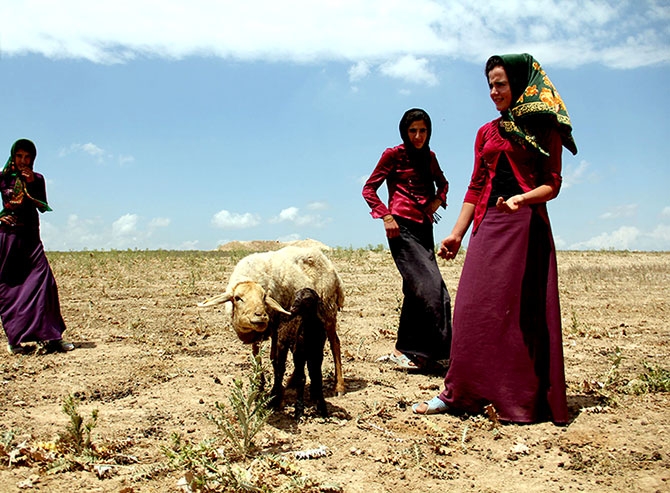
{"points": [[418, 133], [23, 160], [500, 90]]}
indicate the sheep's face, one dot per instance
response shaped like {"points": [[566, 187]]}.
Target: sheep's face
{"points": [[250, 309]]}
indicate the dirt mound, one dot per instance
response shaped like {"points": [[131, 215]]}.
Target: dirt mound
{"points": [[269, 245]]}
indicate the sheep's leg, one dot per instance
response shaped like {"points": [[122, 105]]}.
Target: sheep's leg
{"points": [[314, 364], [334, 340]]}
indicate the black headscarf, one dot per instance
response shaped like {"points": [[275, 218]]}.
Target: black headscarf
{"points": [[420, 158], [411, 116]]}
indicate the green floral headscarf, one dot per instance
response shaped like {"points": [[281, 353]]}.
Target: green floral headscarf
{"points": [[19, 192], [534, 95]]}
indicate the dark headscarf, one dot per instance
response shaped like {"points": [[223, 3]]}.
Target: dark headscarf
{"points": [[420, 158], [411, 116], [535, 100], [19, 192]]}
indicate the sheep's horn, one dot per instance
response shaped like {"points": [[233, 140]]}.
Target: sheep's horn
{"points": [[222, 298]]}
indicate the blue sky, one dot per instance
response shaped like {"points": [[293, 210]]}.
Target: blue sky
{"points": [[185, 125]]}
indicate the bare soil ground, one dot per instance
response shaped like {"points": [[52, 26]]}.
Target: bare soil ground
{"points": [[152, 364]]}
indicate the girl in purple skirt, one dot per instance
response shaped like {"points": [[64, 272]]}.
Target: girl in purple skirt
{"points": [[29, 306]]}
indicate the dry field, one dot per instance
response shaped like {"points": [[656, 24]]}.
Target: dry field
{"points": [[152, 366]]}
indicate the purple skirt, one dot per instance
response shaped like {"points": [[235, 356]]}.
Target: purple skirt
{"points": [[507, 344], [29, 305]]}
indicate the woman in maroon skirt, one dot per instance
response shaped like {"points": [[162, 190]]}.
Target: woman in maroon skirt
{"points": [[29, 306], [507, 344]]}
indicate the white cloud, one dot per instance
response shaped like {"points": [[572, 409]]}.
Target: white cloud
{"points": [[359, 71], [661, 233], [125, 225], [288, 214], [231, 220], [622, 239], [159, 222], [317, 206], [96, 152], [574, 175], [292, 214], [128, 231], [89, 148], [620, 211], [625, 34], [666, 211], [410, 69], [559, 242]]}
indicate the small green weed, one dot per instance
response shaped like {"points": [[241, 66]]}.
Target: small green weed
{"points": [[250, 411], [653, 379], [77, 435]]}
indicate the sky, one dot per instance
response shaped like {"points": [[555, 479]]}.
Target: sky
{"points": [[164, 124]]}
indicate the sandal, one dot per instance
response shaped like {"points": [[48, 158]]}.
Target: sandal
{"points": [[18, 349], [402, 361], [435, 406], [57, 346]]}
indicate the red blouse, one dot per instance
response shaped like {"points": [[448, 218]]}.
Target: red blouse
{"points": [[530, 168], [407, 190]]}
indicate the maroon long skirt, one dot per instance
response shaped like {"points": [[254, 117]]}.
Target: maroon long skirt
{"points": [[29, 304], [507, 342]]}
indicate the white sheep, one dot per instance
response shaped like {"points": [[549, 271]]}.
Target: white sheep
{"points": [[269, 280]]}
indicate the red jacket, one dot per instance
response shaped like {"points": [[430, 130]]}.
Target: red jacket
{"points": [[407, 191], [530, 168]]}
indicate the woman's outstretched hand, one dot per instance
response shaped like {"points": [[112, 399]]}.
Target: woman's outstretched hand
{"points": [[449, 247], [510, 205]]}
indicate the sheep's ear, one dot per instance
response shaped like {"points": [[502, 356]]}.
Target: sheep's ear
{"points": [[222, 298], [274, 304]]}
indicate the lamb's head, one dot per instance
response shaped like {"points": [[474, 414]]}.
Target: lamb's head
{"points": [[250, 309], [305, 301]]}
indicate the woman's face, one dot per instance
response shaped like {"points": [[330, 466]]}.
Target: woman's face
{"points": [[418, 133], [500, 90]]}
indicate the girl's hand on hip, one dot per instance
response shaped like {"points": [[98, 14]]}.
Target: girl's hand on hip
{"points": [[391, 227]]}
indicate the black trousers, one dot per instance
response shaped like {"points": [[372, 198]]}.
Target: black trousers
{"points": [[424, 331]]}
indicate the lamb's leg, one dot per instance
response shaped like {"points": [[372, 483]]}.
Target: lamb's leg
{"points": [[334, 340], [314, 364], [299, 381], [280, 351]]}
